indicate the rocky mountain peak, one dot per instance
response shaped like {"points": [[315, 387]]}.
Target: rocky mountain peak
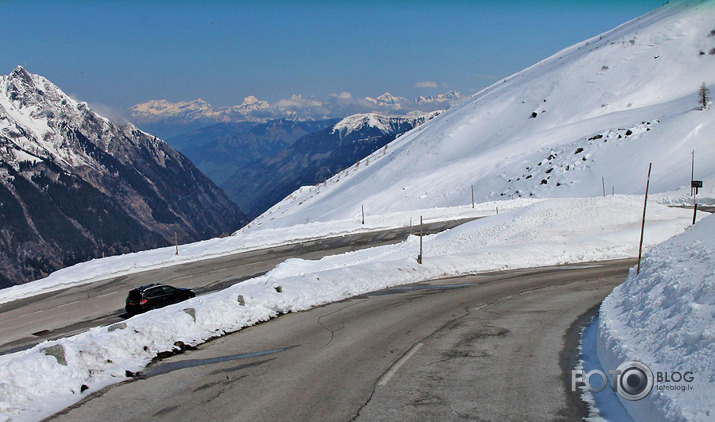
{"points": [[74, 185], [21, 74], [377, 124]]}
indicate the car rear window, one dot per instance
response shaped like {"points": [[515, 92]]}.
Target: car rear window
{"points": [[153, 292], [135, 296]]}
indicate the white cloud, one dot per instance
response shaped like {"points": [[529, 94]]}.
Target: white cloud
{"points": [[426, 84], [109, 112], [343, 95], [298, 102]]}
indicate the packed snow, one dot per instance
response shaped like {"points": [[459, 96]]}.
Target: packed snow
{"points": [[665, 318], [37, 382]]}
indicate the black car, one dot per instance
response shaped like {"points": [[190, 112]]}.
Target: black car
{"points": [[154, 296]]}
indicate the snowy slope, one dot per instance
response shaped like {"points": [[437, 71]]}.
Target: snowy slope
{"points": [[603, 108], [664, 318]]}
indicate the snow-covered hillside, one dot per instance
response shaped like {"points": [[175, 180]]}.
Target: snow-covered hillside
{"points": [[603, 108]]}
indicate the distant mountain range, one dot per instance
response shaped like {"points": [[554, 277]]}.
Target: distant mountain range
{"points": [[314, 158], [75, 186], [168, 119]]}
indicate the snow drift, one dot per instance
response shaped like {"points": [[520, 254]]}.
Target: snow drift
{"points": [[664, 317]]}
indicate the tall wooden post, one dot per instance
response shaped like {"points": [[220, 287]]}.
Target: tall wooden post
{"points": [[695, 209], [693, 189], [692, 176], [419, 257], [695, 203], [363, 213], [176, 242], [645, 204], [472, 196], [603, 184]]}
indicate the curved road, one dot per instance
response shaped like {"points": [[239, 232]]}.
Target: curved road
{"points": [[69, 311], [481, 347]]}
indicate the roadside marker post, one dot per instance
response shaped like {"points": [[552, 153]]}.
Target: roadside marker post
{"points": [[696, 185], [645, 203], [692, 172], [603, 185], [419, 257]]}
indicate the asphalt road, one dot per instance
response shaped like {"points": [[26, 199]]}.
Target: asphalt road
{"points": [[482, 347], [70, 311]]}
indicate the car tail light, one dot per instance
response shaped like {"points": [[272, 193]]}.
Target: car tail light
{"points": [[143, 301]]}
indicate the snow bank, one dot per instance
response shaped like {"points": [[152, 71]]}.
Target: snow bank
{"points": [[40, 381], [246, 239], [682, 197], [664, 318]]}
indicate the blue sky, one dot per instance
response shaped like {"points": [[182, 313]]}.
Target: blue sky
{"points": [[120, 53]]}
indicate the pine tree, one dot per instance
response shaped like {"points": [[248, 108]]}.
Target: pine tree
{"points": [[703, 96]]}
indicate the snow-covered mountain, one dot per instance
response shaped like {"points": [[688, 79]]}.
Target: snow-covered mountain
{"points": [[387, 100], [591, 116], [155, 110], [74, 186], [448, 98], [314, 158], [365, 125], [170, 119]]}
